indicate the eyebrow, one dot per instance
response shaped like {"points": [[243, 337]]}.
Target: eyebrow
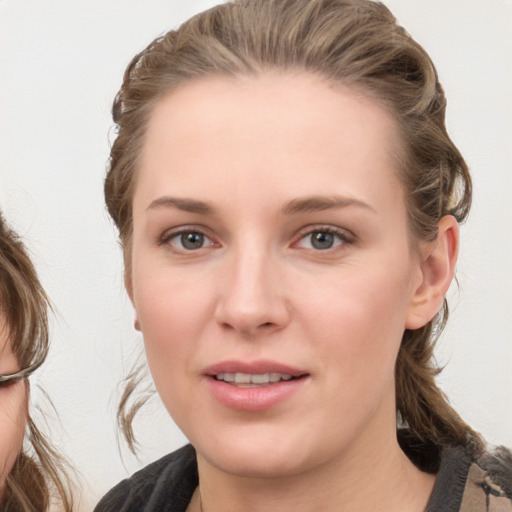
{"points": [[298, 205], [185, 204], [319, 203]]}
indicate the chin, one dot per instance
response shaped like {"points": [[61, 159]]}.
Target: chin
{"points": [[267, 453], [265, 464]]}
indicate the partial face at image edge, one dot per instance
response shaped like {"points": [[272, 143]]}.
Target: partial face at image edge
{"points": [[13, 408]]}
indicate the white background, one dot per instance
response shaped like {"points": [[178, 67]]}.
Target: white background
{"points": [[61, 63]]}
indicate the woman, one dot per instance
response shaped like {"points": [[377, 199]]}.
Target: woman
{"points": [[288, 203], [30, 480]]}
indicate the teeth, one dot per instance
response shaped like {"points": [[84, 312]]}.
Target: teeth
{"points": [[260, 379], [242, 378], [256, 378]]}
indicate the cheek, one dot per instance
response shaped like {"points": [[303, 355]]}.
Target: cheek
{"points": [[170, 307], [172, 312], [356, 335], [362, 322]]}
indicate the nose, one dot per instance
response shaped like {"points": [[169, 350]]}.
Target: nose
{"points": [[251, 297]]}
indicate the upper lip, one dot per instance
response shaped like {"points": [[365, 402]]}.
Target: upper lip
{"points": [[253, 367]]}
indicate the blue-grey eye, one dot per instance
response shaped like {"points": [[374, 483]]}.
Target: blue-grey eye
{"points": [[192, 240], [322, 240]]}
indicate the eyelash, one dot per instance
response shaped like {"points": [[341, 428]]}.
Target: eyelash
{"points": [[343, 235]]}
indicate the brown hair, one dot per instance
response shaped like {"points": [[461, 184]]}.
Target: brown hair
{"points": [[38, 473], [357, 43]]}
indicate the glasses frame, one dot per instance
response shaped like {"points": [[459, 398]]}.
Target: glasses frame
{"points": [[21, 374]]}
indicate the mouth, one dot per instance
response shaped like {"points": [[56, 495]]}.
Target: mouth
{"points": [[254, 386], [255, 380]]}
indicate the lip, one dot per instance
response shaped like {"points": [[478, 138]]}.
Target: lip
{"points": [[255, 367], [254, 399]]}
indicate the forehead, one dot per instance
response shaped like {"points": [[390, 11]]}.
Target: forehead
{"points": [[281, 127], [264, 104]]}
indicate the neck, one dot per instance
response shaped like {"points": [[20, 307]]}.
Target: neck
{"points": [[369, 476]]}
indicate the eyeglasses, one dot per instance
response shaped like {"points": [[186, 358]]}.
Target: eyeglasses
{"points": [[22, 374]]}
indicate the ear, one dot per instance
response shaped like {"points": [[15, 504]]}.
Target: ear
{"points": [[437, 267]]}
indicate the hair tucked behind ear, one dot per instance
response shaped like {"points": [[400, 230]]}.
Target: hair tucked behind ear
{"points": [[356, 43], [38, 477]]}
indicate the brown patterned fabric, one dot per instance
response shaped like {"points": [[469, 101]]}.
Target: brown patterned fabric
{"points": [[469, 483], [481, 494]]}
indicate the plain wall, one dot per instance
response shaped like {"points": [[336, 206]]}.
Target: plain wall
{"points": [[61, 63]]}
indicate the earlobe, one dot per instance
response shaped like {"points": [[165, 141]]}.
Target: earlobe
{"points": [[437, 268]]}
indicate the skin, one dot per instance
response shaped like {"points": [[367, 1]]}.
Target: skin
{"points": [[253, 149], [13, 408]]}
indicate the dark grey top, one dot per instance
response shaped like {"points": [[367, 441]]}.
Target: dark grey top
{"points": [[167, 485]]}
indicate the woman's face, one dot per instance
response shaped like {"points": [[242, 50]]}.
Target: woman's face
{"points": [[270, 247], [13, 408]]}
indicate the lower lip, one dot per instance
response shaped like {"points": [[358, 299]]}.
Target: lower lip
{"points": [[254, 398]]}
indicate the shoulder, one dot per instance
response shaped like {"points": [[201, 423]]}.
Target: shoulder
{"points": [[166, 484]]}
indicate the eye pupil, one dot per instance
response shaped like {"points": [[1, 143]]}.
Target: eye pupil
{"points": [[192, 241], [322, 240]]}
